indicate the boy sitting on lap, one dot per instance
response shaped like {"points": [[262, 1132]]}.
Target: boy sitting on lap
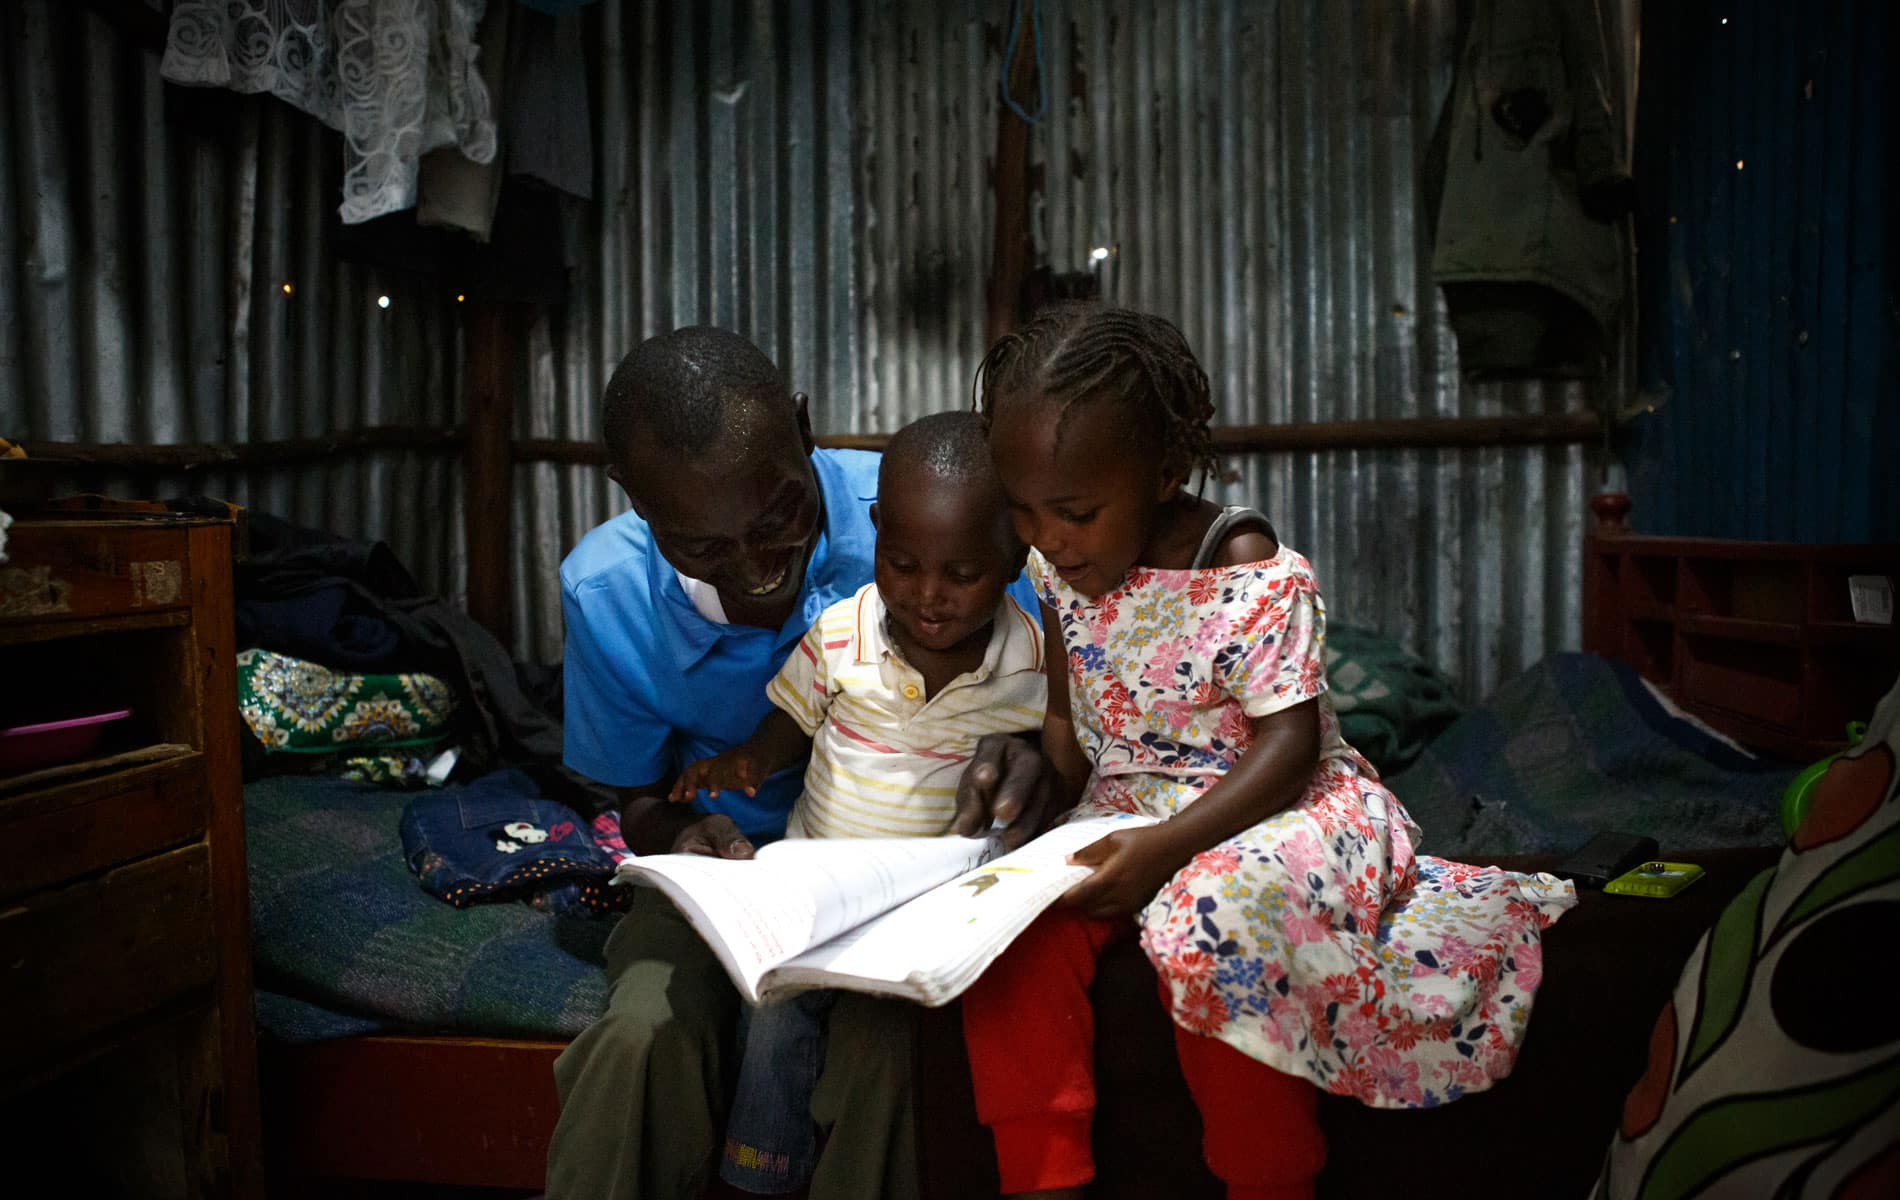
{"points": [[888, 692]]}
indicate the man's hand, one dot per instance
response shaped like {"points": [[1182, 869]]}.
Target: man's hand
{"points": [[738, 769], [1008, 780], [1131, 865], [715, 837]]}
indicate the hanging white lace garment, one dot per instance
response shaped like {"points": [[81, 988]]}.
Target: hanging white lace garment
{"points": [[396, 77]]}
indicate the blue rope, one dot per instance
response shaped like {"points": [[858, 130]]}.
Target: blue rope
{"points": [[1009, 58]]}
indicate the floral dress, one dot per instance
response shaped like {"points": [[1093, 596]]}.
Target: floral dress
{"points": [[1316, 942]]}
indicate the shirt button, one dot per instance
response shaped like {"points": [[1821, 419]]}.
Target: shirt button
{"points": [[910, 691]]}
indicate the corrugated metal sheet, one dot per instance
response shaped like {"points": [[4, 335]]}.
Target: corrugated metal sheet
{"points": [[1252, 167], [145, 238], [1251, 164], [726, 197], [816, 175], [1766, 141]]}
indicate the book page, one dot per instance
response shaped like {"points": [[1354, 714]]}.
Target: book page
{"points": [[799, 892], [933, 947], [751, 919], [855, 879]]}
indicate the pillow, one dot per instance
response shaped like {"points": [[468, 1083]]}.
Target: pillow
{"points": [[1774, 1069], [1390, 703], [298, 707]]}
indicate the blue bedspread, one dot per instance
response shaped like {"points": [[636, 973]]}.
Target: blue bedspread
{"points": [[1577, 745], [347, 941]]}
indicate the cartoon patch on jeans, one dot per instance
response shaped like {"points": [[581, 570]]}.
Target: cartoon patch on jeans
{"points": [[517, 834]]}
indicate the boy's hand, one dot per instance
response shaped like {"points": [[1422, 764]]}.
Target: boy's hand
{"points": [[1131, 865], [738, 768], [715, 837]]}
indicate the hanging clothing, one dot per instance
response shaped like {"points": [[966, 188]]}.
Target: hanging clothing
{"points": [[536, 74], [396, 77], [1529, 241], [453, 190]]}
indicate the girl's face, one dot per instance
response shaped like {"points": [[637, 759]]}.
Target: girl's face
{"points": [[1091, 503]]}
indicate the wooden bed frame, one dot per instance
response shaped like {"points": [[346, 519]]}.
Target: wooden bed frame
{"points": [[1756, 638], [1753, 637]]}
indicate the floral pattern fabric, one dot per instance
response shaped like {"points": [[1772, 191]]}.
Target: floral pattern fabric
{"points": [[397, 78], [300, 707], [1317, 941]]}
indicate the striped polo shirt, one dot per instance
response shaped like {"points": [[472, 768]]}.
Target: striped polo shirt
{"points": [[884, 760]]}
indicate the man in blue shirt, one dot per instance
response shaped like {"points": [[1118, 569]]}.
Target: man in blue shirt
{"points": [[678, 613]]}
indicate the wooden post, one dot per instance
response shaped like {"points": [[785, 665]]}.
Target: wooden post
{"points": [[235, 1027], [1009, 261], [488, 461]]}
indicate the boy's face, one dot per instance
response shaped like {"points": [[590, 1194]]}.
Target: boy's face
{"points": [[742, 517], [944, 556]]}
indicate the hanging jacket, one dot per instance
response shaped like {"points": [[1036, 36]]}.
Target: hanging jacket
{"points": [[1529, 240]]}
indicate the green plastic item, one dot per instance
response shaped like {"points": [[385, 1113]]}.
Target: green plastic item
{"points": [[1794, 801]]}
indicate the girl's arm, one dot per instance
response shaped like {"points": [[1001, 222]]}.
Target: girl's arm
{"points": [[1270, 776], [1059, 742], [1132, 865]]}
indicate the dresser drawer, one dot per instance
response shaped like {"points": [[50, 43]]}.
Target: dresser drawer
{"points": [[82, 569], [77, 960], [64, 832]]}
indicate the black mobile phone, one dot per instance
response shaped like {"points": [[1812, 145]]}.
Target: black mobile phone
{"points": [[1606, 856]]}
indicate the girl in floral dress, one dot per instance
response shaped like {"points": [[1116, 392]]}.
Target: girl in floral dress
{"points": [[1299, 941]]}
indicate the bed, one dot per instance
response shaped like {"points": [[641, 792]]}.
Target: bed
{"points": [[406, 1040]]}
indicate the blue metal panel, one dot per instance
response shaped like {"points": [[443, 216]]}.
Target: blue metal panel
{"points": [[1766, 272]]}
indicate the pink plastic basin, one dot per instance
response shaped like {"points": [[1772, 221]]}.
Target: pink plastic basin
{"points": [[30, 747]]}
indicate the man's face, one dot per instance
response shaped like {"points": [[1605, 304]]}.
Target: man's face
{"points": [[742, 516]]}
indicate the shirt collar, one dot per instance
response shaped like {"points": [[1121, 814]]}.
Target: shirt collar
{"points": [[831, 572], [869, 633], [1015, 641]]}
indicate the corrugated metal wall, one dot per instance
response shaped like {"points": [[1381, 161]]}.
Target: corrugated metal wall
{"points": [[146, 234], [1766, 142], [1252, 165], [725, 197], [816, 175]]}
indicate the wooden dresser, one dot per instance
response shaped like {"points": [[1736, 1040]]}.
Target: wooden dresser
{"points": [[128, 1052]]}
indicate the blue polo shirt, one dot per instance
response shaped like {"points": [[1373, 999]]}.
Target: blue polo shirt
{"points": [[653, 685]]}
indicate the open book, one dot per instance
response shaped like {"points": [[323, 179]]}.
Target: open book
{"points": [[913, 917]]}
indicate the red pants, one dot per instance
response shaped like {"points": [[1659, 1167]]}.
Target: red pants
{"points": [[1031, 1038]]}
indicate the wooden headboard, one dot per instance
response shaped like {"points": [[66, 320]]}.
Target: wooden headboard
{"points": [[1756, 638]]}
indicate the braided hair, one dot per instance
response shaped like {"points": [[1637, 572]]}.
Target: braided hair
{"points": [[1074, 354]]}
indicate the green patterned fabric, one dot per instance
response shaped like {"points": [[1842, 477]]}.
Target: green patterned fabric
{"points": [[1774, 1069], [1390, 703], [396, 769], [299, 707], [345, 940]]}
